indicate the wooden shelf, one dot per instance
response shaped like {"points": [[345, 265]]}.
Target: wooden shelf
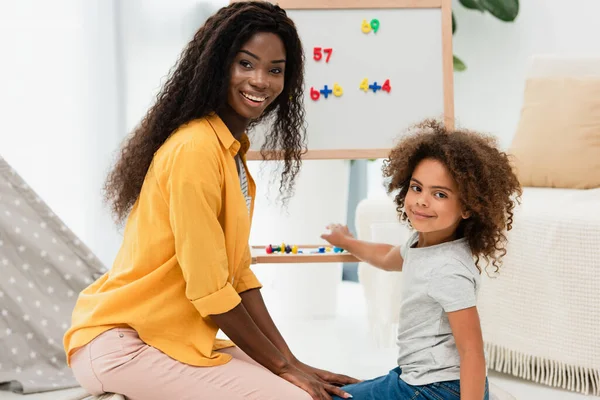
{"points": [[283, 258], [303, 258], [343, 154]]}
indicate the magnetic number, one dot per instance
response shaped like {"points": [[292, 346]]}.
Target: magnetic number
{"points": [[364, 85], [367, 27], [375, 25], [318, 54], [386, 86], [337, 90], [326, 91], [314, 94]]}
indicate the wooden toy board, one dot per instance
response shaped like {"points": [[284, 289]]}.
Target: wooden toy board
{"points": [[409, 46], [259, 256]]}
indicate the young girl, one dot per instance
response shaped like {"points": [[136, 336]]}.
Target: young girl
{"points": [[147, 328], [457, 191]]}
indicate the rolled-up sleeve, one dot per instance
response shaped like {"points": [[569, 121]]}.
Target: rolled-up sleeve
{"points": [[247, 280], [194, 192]]}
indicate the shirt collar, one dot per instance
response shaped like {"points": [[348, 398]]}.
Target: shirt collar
{"points": [[226, 138]]}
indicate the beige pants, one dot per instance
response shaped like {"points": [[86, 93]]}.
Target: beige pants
{"points": [[118, 361]]}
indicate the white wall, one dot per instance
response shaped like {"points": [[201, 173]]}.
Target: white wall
{"points": [[60, 107], [488, 96], [152, 35], [77, 76]]}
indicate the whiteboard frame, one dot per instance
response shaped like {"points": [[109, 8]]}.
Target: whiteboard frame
{"points": [[447, 67]]}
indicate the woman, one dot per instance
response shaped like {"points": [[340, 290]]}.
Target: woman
{"points": [[147, 328]]}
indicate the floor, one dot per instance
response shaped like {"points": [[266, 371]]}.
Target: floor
{"points": [[341, 344]]}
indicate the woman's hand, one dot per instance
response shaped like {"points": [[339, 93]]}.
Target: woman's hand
{"points": [[338, 234], [326, 376], [316, 388]]}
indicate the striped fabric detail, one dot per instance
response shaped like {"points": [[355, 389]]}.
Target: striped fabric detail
{"points": [[244, 182]]}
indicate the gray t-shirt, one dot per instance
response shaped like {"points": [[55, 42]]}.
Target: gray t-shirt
{"points": [[435, 280]]}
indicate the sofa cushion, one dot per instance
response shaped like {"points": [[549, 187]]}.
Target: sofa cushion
{"points": [[557, 143]]}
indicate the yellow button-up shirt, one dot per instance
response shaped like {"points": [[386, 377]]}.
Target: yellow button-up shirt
{"points": [[185, 252]]}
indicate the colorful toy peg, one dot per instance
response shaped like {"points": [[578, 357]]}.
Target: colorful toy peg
{"points": [[386, 86], [375, 87], [337, 90], [314, 94], [364, 85], [326, 91], [375, 25], [365, 26], [287, 249]]}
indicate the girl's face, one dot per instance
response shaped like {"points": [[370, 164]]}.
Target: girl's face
{"points": [[432, 201], [257, 75]]}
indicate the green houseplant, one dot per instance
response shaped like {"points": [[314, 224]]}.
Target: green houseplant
{"points": [[504, 10]]}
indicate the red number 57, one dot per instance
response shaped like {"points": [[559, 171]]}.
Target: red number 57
{"points": [[318, 53]]}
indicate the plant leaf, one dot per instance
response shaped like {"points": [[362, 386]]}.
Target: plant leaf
{"points": [[458, 64], [472, 5], [453, 23], [504, 10]]}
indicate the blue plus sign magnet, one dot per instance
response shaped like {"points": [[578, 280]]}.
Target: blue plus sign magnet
{"points": [[375, 87], [326, 91]]}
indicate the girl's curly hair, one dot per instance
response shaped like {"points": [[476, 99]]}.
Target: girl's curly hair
{"points": [[488, 187], [197, 86]]}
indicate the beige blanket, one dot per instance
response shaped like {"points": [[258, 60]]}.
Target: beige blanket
{"points": [[541, 316]]}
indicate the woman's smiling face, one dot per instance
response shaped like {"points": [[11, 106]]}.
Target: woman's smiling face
{"points": [[257, 75]]}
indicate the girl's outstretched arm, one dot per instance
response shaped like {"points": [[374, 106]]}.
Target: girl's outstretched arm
{"points": [[466, 329], [380, 255]]}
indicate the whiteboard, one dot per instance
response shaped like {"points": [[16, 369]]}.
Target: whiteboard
{"points": [[409, 50]]}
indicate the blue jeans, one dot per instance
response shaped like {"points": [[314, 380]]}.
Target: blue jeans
{"points": [[391, 387]]}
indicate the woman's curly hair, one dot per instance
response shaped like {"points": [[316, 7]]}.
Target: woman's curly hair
{"points": [[197, 86], [488, 187]]}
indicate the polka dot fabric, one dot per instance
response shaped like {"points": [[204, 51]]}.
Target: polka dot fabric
{"points": [[43, 267]]}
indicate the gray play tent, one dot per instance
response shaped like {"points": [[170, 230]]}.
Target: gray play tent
{"points": [[43, 267]]}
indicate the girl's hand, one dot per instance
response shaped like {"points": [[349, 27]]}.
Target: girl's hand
{"points": [[338, 235], [317, 389]]}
